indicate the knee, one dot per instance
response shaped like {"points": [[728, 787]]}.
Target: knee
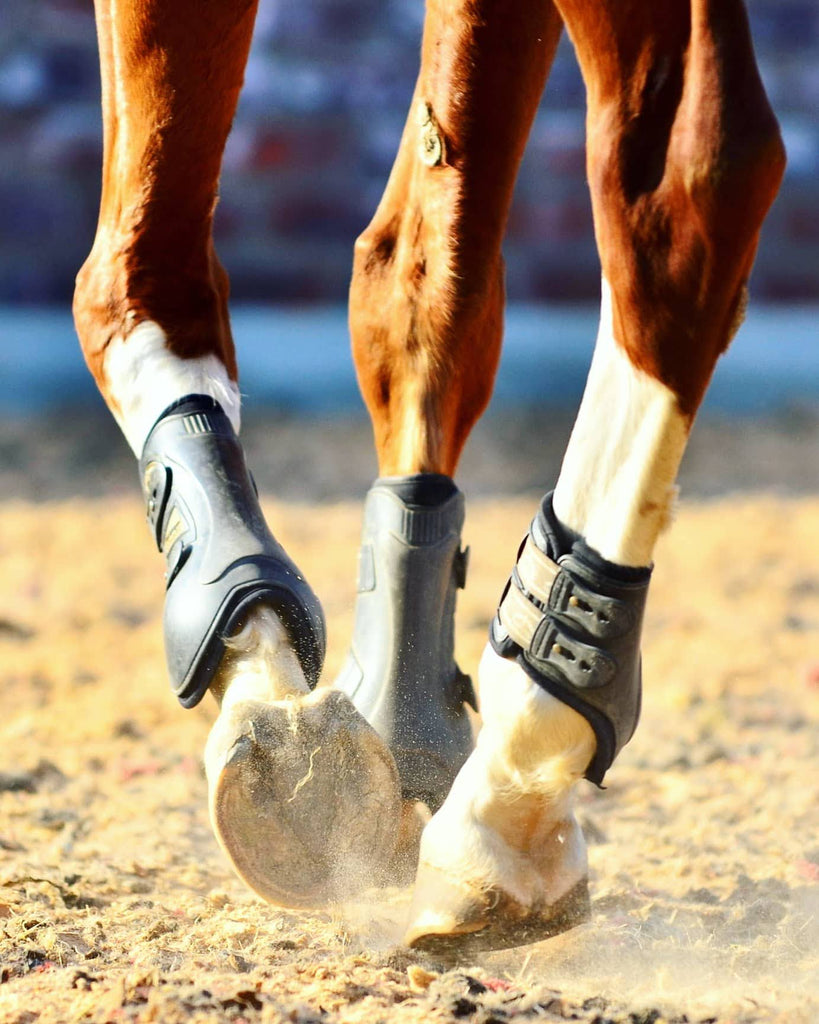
{"points": [[375, 250], [411, 302], [378, 294], [97, 315], [116, 290], [402, 263]]}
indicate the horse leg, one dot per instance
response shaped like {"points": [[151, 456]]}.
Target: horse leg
{"points": [[684, 159], [150, 304], [301, 789], [426, 307]]}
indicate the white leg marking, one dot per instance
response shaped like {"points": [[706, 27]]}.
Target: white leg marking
{"points": [[534, 742], [616, 486], [508, 823], [144, 377]]}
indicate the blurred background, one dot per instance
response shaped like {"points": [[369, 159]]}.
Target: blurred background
{"points": [[326, 93]]}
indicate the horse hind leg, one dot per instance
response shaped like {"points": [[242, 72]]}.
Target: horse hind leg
{"points": [[684, 161]]}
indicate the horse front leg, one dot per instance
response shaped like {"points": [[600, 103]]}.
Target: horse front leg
{"points": [[302, 791], [426, 308], [684, 159]]}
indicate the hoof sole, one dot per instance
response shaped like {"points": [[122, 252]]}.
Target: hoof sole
{"points": [[304, 798], [506, 925]]}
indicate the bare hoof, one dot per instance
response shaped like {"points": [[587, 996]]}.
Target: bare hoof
{"points": [[457, 925], [304, 797], [503, 862], [497, 870]]}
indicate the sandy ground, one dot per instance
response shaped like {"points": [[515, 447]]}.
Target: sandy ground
{"points": [[116, 904]]}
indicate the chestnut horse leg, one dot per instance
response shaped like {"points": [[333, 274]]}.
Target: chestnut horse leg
{"points": [[684, 159], [426, 307], [151, 300], [302, 791]]}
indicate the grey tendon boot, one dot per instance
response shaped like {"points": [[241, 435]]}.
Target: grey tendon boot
{"points": [[222, 559], [401, 672]]}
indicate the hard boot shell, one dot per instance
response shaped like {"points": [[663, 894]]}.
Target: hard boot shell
{"points": [[401, 672], [222, 559]]}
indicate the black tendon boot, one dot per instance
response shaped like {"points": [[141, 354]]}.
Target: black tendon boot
{"points": [[401, 672], [573, 622]]}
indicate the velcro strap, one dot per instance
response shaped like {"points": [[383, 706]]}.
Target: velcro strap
{"points": [[537, 572], [584, 665], [519, 617]]}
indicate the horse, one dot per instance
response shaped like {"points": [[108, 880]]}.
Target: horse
{"points": [[315, 791]]}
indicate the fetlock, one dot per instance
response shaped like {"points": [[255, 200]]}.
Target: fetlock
{"points": [[518, 871]]}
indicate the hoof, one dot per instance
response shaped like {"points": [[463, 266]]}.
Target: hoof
{"points": [[304, 797], [499, 865], [459, 924]]}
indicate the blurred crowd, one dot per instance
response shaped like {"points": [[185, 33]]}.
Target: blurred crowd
{"points": [[326, 94]]}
